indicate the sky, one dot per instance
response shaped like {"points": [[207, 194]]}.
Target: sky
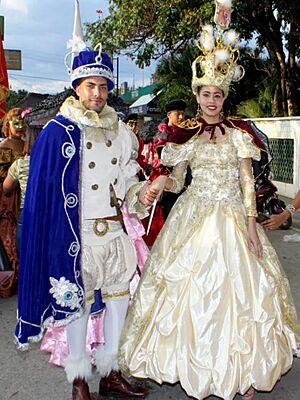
{"points": [[41, 30]]}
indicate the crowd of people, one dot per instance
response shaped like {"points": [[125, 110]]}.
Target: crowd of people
{"points": [[211, 306]]}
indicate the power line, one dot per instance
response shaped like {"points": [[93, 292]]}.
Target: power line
{"points": [[42, 60], [35, 51], [38, 77]]}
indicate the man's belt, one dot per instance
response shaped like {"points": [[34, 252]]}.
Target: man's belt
{"points": [[101, 226]]}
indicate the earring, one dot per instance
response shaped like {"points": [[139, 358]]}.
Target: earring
{"points": [[199, 112]]}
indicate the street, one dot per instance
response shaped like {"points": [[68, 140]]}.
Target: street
{"points": [[29, 376]]}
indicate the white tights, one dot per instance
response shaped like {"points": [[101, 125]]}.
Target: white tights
{"points": [[76, 335], [115, 315]]}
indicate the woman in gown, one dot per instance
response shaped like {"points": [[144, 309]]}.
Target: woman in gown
{"points": [[11, 148], [213, 309]]}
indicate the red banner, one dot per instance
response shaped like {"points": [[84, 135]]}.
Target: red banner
{"points": [[4, 88]]}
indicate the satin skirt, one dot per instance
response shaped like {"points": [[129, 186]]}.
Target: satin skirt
{"points": [[208, 313]]}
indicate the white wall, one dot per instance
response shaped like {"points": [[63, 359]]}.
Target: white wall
{"points": [[284, 128]]}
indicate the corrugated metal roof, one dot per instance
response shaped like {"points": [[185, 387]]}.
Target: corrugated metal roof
{"points": [[143, 100]]}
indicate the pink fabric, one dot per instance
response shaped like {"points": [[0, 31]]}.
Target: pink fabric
{"points": [[55, 339], [136, 231]]}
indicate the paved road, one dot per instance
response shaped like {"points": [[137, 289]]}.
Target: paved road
{"points": [[28, 376]]}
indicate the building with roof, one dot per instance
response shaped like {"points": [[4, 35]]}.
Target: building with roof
{"points": [[144, 101]]}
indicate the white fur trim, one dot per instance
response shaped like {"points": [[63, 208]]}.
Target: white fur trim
{"points": [[106, 362], [78, 368]]}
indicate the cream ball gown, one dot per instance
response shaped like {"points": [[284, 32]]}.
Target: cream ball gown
{"points": [[208, 313]]}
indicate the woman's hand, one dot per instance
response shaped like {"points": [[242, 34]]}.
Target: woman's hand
{"points": [[152, 190], [159, 184], [254, 242], [146, 196]]}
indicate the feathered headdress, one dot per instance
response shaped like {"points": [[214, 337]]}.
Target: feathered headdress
{"points": [[220, 47]]}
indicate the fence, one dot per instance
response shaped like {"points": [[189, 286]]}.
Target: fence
{"points": [[284, 137]]}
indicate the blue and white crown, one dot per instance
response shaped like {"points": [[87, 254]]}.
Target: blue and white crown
{"points": [[88, 63]]}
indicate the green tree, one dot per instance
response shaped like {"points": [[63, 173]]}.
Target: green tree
{"points": [[14, 97], [148, 30], [276, 24], [174, 74]]}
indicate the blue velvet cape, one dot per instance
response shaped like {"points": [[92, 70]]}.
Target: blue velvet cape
{"points": [[50, 282]]}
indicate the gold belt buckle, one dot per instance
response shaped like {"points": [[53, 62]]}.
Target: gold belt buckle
{"points": [[100, 227]]}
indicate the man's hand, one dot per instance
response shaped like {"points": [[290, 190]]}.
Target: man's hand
{"points": [[276, 220]]}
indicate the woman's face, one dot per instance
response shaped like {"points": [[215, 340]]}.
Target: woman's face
{"points": [[17, 127], [211, 100]]}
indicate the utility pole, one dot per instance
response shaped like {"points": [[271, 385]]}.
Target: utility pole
{"points": [[117, 91]]}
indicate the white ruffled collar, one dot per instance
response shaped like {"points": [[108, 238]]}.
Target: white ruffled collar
{"points": [[73, 110]]}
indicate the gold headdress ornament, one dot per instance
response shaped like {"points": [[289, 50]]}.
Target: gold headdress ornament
{"points": [[218, 64]]}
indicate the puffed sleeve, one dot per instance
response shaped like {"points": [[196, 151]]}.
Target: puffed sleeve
{"points": [[13, 171], [247, 150], [245, 145], [177, 156], [172, 153]]}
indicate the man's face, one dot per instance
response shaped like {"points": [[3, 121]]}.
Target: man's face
{"points": [[175, 117], [93, 93]]}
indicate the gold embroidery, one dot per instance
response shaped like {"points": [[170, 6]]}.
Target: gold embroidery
{"points": [[120, 294]]}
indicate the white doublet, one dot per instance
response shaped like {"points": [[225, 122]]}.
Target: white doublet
{"points": [[104, 163]]}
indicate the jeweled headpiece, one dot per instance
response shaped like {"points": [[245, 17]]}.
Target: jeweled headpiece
{"points": [[87, 63], [91, 63], [220, 47]]}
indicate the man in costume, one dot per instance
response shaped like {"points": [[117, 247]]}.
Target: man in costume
{"points": [[175, 111], [277, 220], [74, 244]]}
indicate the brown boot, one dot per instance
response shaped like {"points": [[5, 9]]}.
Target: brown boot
{"points": [[115, 384], [80, 390]]}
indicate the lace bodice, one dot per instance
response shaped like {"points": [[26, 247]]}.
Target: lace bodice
{"points": [[216, 168], [215, 171]]}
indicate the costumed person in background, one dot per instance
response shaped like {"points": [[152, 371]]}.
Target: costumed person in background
{"points": [[73, 242], [276, 221], [11, 148], [17, 178], [132, 122], [213, 309], [175, 111], [176, 115]]}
